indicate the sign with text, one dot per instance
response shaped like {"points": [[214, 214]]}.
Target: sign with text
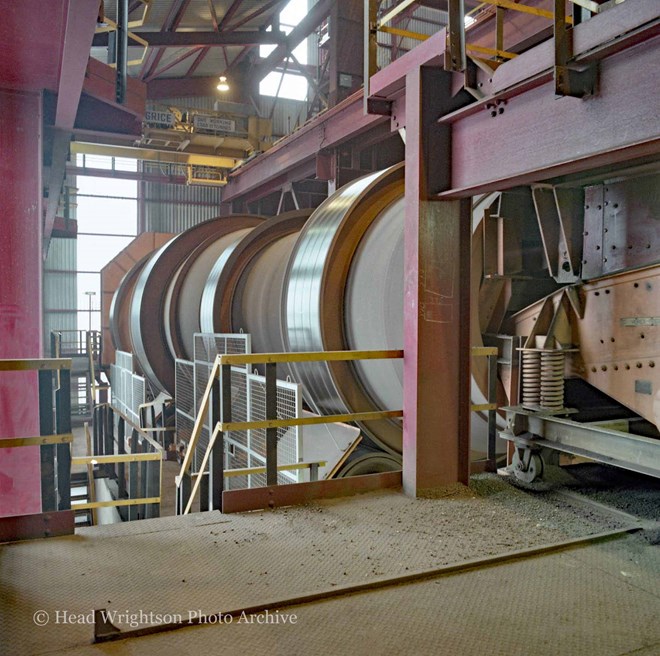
{"points": [[214, 123], [159, 118]]}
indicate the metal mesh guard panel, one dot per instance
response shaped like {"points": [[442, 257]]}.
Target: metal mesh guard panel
{"points": [[128, 390], [184, 394], [245, 448]]}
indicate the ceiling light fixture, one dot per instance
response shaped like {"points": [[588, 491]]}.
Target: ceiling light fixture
{"points": [[223, 85]]}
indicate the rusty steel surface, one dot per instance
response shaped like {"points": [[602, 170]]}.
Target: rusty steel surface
{"points": [[20, 294], [621, 226], [148, 302], [535, 140], [276, 496], [39, 525], [436, 378], [615, 323]]}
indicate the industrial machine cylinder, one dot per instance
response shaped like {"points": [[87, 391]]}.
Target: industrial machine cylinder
{"points": [[326, 280]]}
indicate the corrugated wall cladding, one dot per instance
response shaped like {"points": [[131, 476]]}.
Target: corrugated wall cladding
{"points": [[287, 114], [174, 208], [59, 288], [423, 21]]}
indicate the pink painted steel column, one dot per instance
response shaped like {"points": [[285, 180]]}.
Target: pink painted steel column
{"points": [[20, 295], [436, 377]]}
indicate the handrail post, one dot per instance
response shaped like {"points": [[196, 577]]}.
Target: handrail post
{"points": [[271, 433], [492, 413], [133, 477], [142, 508], [47, 451], [220, 408], [121, 449], [153, 487], [63, 451]]}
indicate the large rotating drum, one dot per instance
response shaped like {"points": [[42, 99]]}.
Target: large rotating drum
{"points": [[329, 281]]}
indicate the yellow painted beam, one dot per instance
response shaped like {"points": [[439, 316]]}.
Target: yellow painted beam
{"points": [[405, 33], [13, 442], [205, 460], [514, 6], [40, 364], [199, 423], [154, 155], [119, 457], [115, 503], [481, 351], [308, 421], [395, 11], [480, 407], [309, 356], [246, 471], [504, 54]]}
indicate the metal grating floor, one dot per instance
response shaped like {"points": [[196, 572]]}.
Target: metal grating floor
{"points": [[576, 603], [211, 563]]}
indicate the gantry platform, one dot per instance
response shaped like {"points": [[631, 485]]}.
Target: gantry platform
{"points": [[463, 573]]}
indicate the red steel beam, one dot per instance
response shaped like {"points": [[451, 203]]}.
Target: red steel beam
{"points": [[273, 4], [539, 136], [229, 14], [173, 63], [202, 38], [217, 26], [172, 21], [344, 121], [80, 26], [79, 32], [20, 295], [436, 335], [140, 176], [277, 496]]}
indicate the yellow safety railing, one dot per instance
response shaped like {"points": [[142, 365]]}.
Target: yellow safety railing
{"points": [[103, 455], [224, 363]]}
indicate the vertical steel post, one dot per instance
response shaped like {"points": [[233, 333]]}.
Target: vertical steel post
{"points": [[499, 28], [133, 478], [122, 51], [271, 433], [63, 451], [21, 263], [121, 449], [455, 58], [436, 378], [370, 47], [109, 439], [96, 430], [204, 493], [491, 456], [183, 493], [222, 392], [153, 487], [142, 508], [46, 427]]}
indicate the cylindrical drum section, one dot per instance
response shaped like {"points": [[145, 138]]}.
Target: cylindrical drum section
{"points": [[120, 307], [153, 293], [336, 299], [184, 297], [244, 291], [369, 461]]}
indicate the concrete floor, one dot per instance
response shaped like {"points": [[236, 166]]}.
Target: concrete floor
{"points": [[599, 599]]}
